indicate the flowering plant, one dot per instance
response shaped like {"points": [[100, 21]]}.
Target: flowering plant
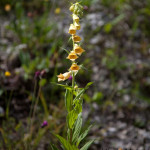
{"points": [[73, 95]]}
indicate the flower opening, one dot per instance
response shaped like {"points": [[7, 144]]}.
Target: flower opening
{"points": [[72, 56], [78, 50], [72, 29], [74, 67], [63, 77], [76, 38]]}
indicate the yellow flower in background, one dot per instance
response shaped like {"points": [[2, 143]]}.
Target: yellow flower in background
{"points": [[7, 7], [72, 56], [63, 77], [74, 67], [75, 18], [7, 74], [76, 38], [72, 29], [78, 50], [57, 11], [77, 25]]}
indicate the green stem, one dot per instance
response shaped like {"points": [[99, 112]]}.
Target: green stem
{"points": [[73, 82], [8, 104], [34, 109], [32, 105]]}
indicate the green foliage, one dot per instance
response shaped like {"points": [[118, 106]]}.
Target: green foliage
{"points": [[108, 27], [68, 103], [83, 135], [77, 128], [54, 147], [87, 145], [98, 96], [73, 115], [66, 145], [111, 60]]}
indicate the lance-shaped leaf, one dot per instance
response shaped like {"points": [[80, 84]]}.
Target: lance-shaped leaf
{"points": [[68, 102], [77, 128], [65, 144], [54, 147], [87, 145], [82, 91], [62, 85], [73, 115], [83, 135]]}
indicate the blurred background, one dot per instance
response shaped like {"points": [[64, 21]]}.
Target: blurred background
{"points": [[116, 37]]}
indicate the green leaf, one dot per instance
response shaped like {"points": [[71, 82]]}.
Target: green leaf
{"points": [[42, 82], [79, 95], [83, 135], [65, 86], [87, 145], [54, 147], [108, 27], [89, 84], [98, 96], [73, 115], [65, 50], [68, 103], [82, 91], [77, 128], [66, 145]]}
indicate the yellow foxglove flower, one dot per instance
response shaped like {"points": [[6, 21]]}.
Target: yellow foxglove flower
{"points": [[72, 29], [77, 25], [7, 74], [74, 67], [7, 7], [75, 18], [76, 38], [57, 11], [63, 77], [78, 50], [72, 56]]}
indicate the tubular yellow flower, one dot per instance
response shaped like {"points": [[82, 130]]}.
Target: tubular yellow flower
{"points": [[75, 18], [77, 25], [7, 74], [7, 7], [72, 29], [57, 11], [76, 38], [74, 67], [78, 50], [63, 77], [72, 56]]}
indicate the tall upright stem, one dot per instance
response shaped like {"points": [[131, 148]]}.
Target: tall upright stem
{"points": [[73, 82]]}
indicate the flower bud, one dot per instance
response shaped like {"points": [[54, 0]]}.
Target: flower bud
{"points": [[44, 124], [71, 8], [72, 29], [75, 18], [77, 25]]}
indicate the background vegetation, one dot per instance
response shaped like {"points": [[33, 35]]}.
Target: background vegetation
{"points": [[116, 37]]}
